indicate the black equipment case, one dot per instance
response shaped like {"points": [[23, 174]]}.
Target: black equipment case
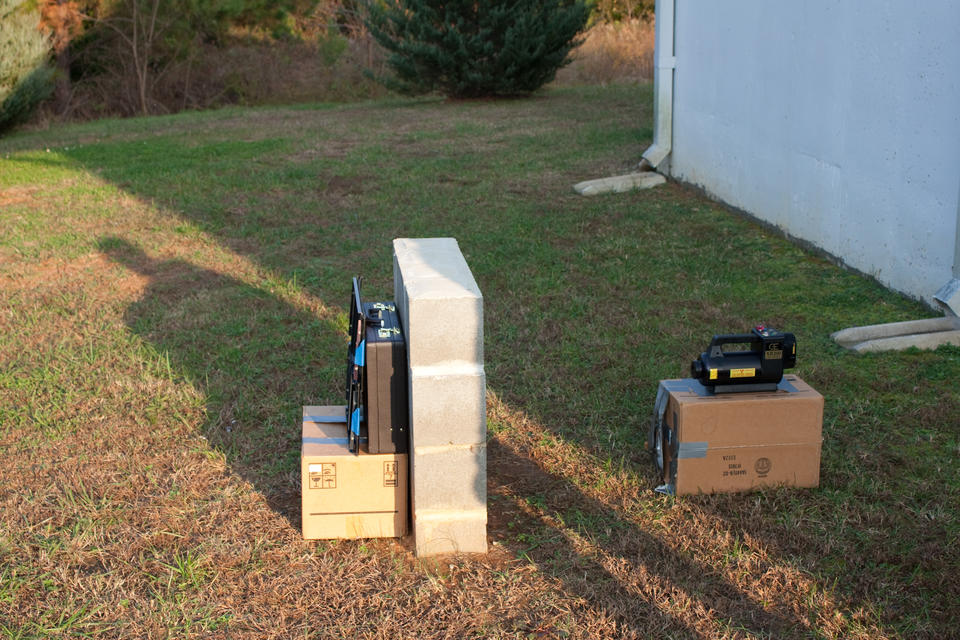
{"points": [[377, 406], [759, 368]]}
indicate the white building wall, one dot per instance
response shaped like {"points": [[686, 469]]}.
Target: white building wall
{"points": [[837, 121]]}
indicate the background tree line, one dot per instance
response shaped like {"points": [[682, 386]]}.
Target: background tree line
{"points": [[79, 59]]}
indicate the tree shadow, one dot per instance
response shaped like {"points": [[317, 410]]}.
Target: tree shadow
{"points": [[255, 358]]}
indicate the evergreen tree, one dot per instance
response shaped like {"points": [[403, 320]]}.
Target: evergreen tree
{"points": [[25, 77], [475, 48]]}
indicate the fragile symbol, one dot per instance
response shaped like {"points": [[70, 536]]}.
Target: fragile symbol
{"points": [[762, 466], [323, 475], [390, 474]]}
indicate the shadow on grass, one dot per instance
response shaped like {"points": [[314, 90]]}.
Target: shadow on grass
{"points": [[603, 558], [250, 354], [257, 358]]}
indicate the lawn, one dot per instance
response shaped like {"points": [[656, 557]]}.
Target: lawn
{"points": [[173, 289]]}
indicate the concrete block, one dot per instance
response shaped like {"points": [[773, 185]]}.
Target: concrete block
{"points": [[449, 409], [434, 258], [447, 268], [450, 478], [429, 287], [441, 308], [463, 532], [443, 329]]}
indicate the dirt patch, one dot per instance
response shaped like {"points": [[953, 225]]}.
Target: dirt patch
{"points": [[54, 273], [343, 186], [16, 195]]}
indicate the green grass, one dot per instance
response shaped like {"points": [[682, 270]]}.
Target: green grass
{"points": [[173, 289]]}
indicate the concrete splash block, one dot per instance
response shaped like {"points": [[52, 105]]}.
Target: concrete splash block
{"points": [[619, 184], [441, 308], [928, 333]]}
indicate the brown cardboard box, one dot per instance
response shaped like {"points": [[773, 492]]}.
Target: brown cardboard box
{"points": [[346, 495], [738, 441]]}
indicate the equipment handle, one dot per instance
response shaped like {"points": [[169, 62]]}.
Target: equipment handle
{"points": [[716, 345], [358, 305], [357, 302]]}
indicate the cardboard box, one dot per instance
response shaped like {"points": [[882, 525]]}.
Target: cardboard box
{"points": [[346, 495], [737, 441]]}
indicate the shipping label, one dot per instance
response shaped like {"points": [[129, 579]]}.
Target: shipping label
{"points": [[733, 468]]}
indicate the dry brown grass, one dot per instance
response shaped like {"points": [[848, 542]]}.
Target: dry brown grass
{"points": [[171, 291], [684, 572], [621, 52], [16, 195]]}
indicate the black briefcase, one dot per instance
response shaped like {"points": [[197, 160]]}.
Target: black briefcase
{"points": [[377, 390]]}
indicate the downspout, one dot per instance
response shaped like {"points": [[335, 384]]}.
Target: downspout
{"points": [[948, 296], [664, 65], [646, 175]]}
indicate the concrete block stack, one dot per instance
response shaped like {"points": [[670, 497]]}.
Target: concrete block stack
{"points": [[441, 309]]}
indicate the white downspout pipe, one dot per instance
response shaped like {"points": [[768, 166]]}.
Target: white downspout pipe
{"points": [[948, 296], [664, 64]]}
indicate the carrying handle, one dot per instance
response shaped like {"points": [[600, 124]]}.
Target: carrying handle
{"points": [[358, 319], [716, 345], [358, 306], [357, 301]]}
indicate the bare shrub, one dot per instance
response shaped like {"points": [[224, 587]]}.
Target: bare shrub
{"points": [[330, 70], [139, 57], [612, 52], [252, 72]]}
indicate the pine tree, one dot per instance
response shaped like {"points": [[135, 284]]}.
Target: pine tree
{"points": [[475, 48], [25, 77]]}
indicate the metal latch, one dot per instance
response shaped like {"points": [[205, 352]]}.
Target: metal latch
{"points": [[379, 306], [385, 332]]}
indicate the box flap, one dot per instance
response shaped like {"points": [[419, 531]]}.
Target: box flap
{"points": [[326, 413], [324, 432], [791, 415]]}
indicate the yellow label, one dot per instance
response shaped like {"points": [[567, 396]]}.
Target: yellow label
{"points": [[742, 373], [713, 374]]}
